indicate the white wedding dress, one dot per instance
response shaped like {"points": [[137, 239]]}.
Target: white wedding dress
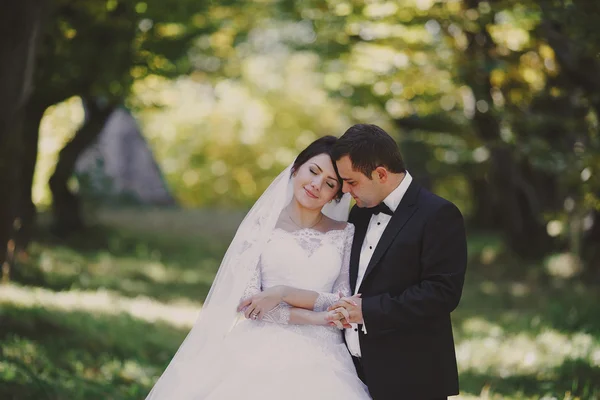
{"points": [[272, 359]]}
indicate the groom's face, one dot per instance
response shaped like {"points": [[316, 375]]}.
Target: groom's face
{"points": [[365, 191]]}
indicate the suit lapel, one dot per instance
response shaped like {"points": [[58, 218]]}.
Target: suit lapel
{"points": [[407, 207], [360, 225]]}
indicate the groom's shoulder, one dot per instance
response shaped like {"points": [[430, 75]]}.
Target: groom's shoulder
{"points": [[434, 202]]}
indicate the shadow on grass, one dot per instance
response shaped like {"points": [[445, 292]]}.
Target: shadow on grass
{"points": [[139, 243], [531, 305], [131, 264], [51, 354], [521, 296]]}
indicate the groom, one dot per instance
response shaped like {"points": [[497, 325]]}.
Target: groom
{"points": [[408, 264]]}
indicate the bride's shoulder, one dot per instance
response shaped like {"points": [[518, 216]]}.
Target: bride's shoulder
{"points": [[334, 225], [349, 228]]}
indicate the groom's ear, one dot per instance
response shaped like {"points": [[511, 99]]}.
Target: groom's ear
{"points": [[381, 173]]}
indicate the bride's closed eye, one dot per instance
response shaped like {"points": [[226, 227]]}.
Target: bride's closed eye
{"points": [[331, 185]]}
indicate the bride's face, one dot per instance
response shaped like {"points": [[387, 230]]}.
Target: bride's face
{"points": [[315, 182]]}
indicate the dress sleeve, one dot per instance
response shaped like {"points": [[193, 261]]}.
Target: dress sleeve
{"points": [[280, 314], [342, 283]]}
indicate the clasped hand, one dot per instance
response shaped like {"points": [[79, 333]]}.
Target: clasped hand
{"points": [[346, 310]]}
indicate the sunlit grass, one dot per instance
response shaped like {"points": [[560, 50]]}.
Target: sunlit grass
{"points": [[182, 313], [100, 316], [507, 355]]}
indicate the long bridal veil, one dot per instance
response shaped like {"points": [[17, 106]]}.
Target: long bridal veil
{"points": [[192, 362]]}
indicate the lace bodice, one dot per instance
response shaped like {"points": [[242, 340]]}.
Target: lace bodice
{"points": [[305, 259]]}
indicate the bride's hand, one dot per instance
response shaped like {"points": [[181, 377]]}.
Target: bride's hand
{"points": [[332, 318], [261, 303]]}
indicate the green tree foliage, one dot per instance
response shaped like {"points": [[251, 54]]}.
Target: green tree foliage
{"points": [[96, 50], [495, 104]]}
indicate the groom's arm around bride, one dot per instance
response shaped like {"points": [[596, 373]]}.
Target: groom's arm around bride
{"points": [[408, 263]]}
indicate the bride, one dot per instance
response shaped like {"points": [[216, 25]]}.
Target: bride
{"points": [[288, 262]]}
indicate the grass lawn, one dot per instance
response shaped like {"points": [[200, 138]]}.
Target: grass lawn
{"points": [[100, 316]]}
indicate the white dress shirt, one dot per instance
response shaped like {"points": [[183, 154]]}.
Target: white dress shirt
{"points": [[377, 225]]}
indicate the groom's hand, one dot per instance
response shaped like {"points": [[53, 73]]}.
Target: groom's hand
{"points": [[348, 310]]}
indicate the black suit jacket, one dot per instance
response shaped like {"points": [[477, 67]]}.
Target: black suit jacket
{"points": [[412, 283]]}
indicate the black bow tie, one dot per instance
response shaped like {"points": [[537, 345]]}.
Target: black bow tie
{"points": [[381, 207]]}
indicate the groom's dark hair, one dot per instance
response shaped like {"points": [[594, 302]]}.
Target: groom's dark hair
{"points": [[369, 147], [323, 145]]}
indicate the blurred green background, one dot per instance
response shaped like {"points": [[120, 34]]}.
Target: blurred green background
{"points": [[134, 135]]}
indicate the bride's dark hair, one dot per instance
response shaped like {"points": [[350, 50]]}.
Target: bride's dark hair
{"points": [[323, 145]]}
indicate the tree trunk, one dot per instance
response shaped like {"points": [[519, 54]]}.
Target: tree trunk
{"points": [[485, 211], [417, 153], [415, 156], [19, 35], [591, 249], [522, 221], [515, 196], [66, 207], [582, 69], [26, 212]]}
